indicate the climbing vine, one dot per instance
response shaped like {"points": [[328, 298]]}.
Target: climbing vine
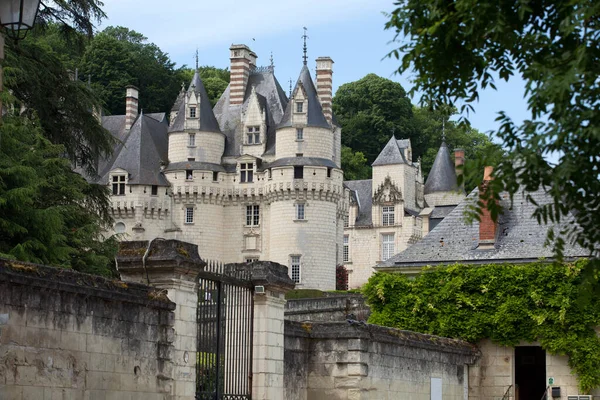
{"points": [[506, 303]]}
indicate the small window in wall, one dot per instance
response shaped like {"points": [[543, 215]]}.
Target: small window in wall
{"points": [[387, 215], [253, 135], [387, 246], [192, 139], [192, 112], [118, 185], [295, 268], [119, 227], [269, 173], [300, 215], [246, 172], [299, 172], [329, 172], [299, 154], [154, 190], [299, 106], [189, 174], [252, 259], [215, 176], [191, 158], [299, 134], [346, 221], [189, 215], [346, 249], [253, 215]]}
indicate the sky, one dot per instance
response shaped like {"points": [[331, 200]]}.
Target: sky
{"points": [[351, 32]]}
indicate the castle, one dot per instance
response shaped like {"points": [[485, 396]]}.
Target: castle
{"points": [[259, 177]]}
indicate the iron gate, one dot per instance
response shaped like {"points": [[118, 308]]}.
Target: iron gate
{"points": [[225, 314]]}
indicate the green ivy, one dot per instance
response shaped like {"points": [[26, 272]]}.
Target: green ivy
{"points": [[505, 303]]}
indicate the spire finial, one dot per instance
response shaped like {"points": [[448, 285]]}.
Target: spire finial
{"points": [[443, 130], [196, 59], [272, 64], [290, 96], [305, 37]]}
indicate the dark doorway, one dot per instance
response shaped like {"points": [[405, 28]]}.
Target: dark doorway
{"points": [[530, 372]]}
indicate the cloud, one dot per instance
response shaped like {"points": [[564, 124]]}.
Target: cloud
{"points": [[179, 24]]}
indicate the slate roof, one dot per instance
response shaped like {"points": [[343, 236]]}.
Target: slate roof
{"points": [[519, 237], [208, 122], [392, 153], [361, 192], [140, 152], [229, 117], [442, 177], [441, 211], [315, 116]]}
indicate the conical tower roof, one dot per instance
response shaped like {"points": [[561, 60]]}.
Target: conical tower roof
{"points": [[391, 154], [315, 116], [442, 177], [208, 122]]}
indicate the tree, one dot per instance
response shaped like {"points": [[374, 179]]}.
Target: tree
{"points": [[354, 165], [215, 80], [455, 49], [370, 110], [48, 213], [73, 16], [118, 57]]}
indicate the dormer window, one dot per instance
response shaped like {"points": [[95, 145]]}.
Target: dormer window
{"points": [[192, 112], [253, 135], [192, 140], [246, 172], [299, 106], [118, 184]]}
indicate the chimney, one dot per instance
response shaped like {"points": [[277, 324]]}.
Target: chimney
{"points": [[131, 106], [487, 226], [459, 162], [324, 85], [242, 61]]}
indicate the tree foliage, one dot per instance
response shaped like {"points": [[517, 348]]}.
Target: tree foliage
{"points": [[72, 16], [118, 57], [215, 80], [48, 213], [457, 49], [505, 303], [354, 164]]}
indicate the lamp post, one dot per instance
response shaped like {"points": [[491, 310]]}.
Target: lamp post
{"points": [[17, 18]]}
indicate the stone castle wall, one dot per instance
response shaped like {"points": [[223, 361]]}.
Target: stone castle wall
{"points": [[209, 147], [316, 142]]}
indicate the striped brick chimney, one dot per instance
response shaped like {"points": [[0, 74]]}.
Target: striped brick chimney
{"points": [[242, 61], [324, 85], [131, 106], [487, 226], [459, 162]]}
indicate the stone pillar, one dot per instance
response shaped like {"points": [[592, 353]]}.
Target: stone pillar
{"points": [[267, 362], [171, 266]]}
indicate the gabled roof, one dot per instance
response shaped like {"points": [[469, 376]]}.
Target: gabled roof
{"points": [[391, 153], [229, 117], [442, 177], [315, 116], [361, 192], [208, 122], [140, 152], [519, 237]]}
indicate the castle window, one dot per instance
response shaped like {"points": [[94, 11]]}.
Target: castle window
{"points": [[189, 174], [192, 139], [299, 172], [192, 112], [346, 221], [329, 172], [299, 106], [246, 172], [295, 268], [251, 259], [215, 176], [299, 134], [253, 135], [300, 215], [387, 215], [269, 173], [346, 250], [387, 246], [191, 158], [154, 190], [118, 185], [252, 215], [189, 215], [119, 227]]}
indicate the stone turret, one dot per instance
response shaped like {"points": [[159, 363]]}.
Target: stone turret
{"points": [[441, 187]]}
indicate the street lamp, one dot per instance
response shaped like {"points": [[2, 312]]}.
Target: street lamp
{"points": [[18, 16]]}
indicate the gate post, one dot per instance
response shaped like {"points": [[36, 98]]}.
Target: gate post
{"points": [[172, 267], [268, 340]]}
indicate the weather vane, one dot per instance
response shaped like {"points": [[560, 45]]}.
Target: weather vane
{"points": [[272, 64], [290, 88], [196, 58], [304, 37]]}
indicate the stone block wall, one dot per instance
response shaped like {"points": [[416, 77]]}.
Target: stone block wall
{"points": [[327, 309], [66, 335], [341, 360]]}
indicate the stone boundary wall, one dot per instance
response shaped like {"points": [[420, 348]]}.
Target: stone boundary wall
{"points": [[354, 360], [327, 309], [67, 335]]}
